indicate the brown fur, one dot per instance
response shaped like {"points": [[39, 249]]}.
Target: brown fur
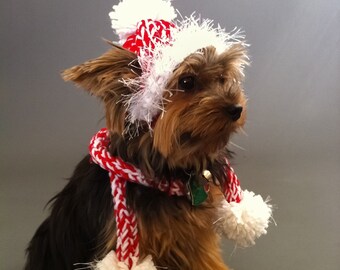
{"points": [[183, 238], [176, 234], [190, 137]]}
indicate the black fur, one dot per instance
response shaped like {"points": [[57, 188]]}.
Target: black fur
{"points": [[73, 233], [79, 212]]}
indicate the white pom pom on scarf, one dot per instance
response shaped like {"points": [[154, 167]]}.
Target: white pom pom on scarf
{"points": [[245, 221], [111, 262]]}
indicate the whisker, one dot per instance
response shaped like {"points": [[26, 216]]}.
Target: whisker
{"points": [[243, 131], [237, 146], [88, 265]]}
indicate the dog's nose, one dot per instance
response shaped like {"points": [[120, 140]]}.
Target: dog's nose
{"points": [[234, 111]]}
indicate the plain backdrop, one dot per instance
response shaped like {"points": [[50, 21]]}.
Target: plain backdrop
{"points": [[291, 151]]}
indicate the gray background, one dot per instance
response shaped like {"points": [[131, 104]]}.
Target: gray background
{"points": [[292, 151]]}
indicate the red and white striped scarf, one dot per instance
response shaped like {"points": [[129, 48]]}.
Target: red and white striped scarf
{"points": [[120, 172]]}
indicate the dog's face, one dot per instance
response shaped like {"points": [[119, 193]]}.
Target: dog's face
{"points": [[206, 106], [204, 103]]}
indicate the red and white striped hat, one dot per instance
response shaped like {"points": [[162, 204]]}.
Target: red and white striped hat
{"points": [[148, 28]]}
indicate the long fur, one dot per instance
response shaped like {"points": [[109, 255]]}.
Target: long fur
{"points": [[190, 137]]}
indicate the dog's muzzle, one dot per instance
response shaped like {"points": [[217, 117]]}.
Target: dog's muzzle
{"points": [[234, 111]]}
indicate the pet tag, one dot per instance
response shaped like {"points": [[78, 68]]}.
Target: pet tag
{"points": [[198, 192]]}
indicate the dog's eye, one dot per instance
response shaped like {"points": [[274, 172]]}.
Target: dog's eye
{"points": [[187, 83]]}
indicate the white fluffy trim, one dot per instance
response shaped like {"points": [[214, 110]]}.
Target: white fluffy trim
{"points": [[128, 13], [189, 36], [247, 220], [110, 262]]}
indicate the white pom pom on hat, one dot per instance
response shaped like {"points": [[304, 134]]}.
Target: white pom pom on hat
{"points": [[128, 13]]}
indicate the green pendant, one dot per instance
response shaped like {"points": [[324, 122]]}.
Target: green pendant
{"points": [[198, 193]]}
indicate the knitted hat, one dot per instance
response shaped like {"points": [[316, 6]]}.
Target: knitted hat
{"points": [[148, 29]]}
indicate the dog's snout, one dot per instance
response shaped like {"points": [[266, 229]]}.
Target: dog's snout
{"points": [[234, 111]]}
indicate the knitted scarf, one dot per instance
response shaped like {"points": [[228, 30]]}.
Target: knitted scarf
{"points": [[120, 172]]}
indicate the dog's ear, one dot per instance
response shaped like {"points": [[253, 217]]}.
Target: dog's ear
{"points": [[105, 73], [235, 59], [104, 77]]}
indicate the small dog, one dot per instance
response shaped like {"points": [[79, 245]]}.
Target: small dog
{"points": [[202, 104]]}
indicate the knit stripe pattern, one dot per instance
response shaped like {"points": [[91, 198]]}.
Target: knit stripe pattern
{"points": [[232, 188], [120, 172], [127, 241], [149, 33]]}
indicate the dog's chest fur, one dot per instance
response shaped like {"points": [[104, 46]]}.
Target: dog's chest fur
{"points": [[176, 234]]}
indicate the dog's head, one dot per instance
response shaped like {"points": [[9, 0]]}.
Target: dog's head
{"points": [[203, 105], [172, 92]]}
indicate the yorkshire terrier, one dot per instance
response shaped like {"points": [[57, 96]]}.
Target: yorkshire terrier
{"points": [[182, 141]]}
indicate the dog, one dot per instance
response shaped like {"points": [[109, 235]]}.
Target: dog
{"points": [[203, 104]]}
